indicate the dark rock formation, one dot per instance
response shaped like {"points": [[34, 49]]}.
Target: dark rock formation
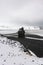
{"points": [[21, 32]]}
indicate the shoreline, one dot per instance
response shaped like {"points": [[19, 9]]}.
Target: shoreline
{"points": [[36, 46]]}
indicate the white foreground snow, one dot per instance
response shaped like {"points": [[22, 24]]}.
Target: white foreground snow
{"points": [[13, 54]]}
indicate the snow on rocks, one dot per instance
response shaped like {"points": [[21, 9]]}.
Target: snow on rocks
{"points": [[11, 53]]}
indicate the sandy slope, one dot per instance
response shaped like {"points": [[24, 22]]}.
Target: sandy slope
{"points": [[11, 53]]}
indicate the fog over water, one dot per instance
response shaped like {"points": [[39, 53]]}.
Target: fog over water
{"points": [[21, 12]]}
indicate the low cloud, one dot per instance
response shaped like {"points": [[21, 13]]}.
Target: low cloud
{"points": [[21, 12]]}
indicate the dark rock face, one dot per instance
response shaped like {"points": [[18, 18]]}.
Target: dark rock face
{"points": [[21, 32]]}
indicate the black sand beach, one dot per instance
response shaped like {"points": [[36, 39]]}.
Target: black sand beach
{"points": [[36, 46]]}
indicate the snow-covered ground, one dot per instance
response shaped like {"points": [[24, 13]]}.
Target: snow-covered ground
{"points": [[11, 53]]}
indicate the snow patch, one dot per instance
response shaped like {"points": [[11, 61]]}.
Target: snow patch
{"points": [[11, 53]]}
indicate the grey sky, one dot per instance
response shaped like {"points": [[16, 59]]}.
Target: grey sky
{"points": [[18, 12]]}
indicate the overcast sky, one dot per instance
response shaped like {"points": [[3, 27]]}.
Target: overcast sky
{"points": [[21, 12]]}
